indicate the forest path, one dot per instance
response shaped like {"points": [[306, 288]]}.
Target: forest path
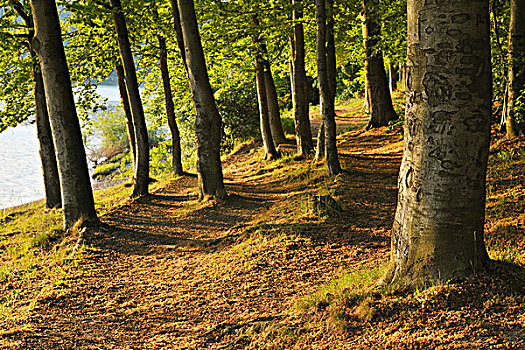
{"points": [[170, 272]]}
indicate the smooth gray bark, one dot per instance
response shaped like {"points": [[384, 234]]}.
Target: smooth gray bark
{"points": [[325, 86], [379, 99], [303, 131], [76, 193], [45, 139], [438, 226], [515, 119], [207, 119], [141, 165]]}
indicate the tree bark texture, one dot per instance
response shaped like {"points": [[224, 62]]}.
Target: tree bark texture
{"points": [[207, 120], [379, 98], [170, 109], [121, 79], [303, 131], [45, 141], [438, 226], [325, 87], [274, 113], [516, 100], [76, 193], [266, 133], [141, 166]]}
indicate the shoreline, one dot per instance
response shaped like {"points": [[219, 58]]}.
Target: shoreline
{"points": [[97, 186]]}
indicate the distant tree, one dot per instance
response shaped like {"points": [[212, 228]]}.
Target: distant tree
{"points": [[303, 131], [376, 83], [438, 226], [77, 196], [266, 132], [272, 100], [141, 162], [207, 119], [516, 93], [170, 107]]}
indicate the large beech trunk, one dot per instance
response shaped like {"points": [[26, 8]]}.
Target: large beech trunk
{"points": [[515, 121], [76, 193], [326, 85], [170, 109], [141, 164], [207, 119], [274, 113], [438, 226], [127, 109], [376, 82], [45, 142], [303, 131]]}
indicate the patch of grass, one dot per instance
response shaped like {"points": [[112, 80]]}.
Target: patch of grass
{"points": [[105, 169], [348, 288]]}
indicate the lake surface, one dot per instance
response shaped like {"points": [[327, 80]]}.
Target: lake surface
{"points": [[21, 179]]}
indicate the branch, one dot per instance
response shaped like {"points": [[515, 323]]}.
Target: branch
{"points": [[21, 12]]}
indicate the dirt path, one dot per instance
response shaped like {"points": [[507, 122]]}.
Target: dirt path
{"points": [[169, 272]]}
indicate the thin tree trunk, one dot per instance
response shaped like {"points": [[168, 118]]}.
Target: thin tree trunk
{"points": [[141, 166], [403, 77], [392, 77], [76, 193], [504, 110], [274, 112], [127, 110], [516, 101], [380, 101], [45, 141], [266, 133], [207, 120], [170, 109], [325, 86], [320, 148], [438, 226], [303, 129]]}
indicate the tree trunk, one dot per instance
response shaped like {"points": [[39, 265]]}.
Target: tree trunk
{"points": [[326, 86], [45, 141], [320, 148], [170, 109], [274, 112], [438, 227], [516, 101], [141, 165], [127, 110], [207, 120], [380, 101], [77, 196], [403, 77], [392, 77], [266, 133], [303, 130]]}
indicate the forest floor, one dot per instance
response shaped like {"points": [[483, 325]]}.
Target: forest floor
{"points": [[270, 268]]}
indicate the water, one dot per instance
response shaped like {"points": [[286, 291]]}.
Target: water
{"points": [[21, 179]]}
